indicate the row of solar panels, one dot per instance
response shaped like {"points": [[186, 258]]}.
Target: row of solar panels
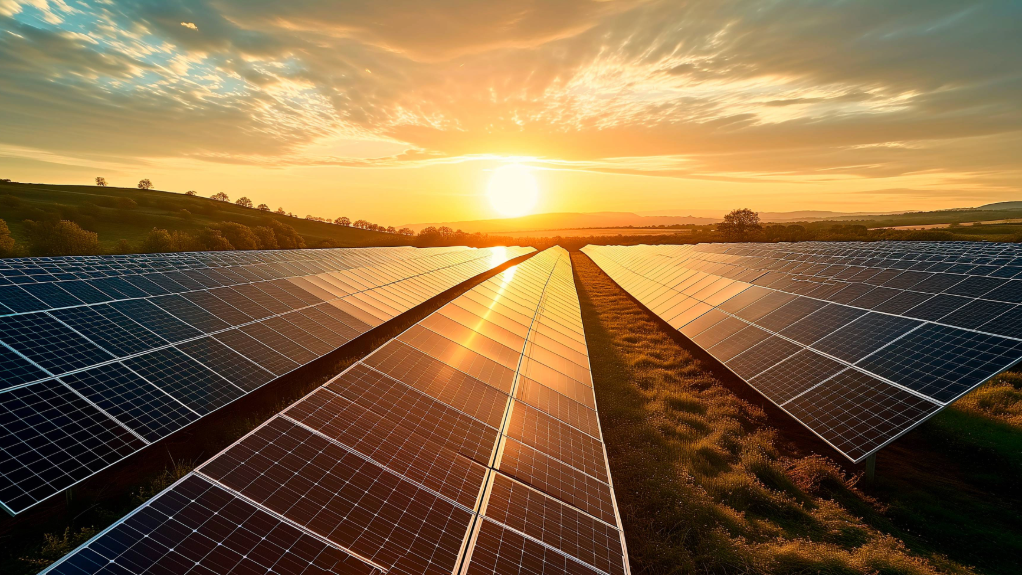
{"points": [[468, 444], [95, 378], [22, 271], [858, 352], [972, 258]]}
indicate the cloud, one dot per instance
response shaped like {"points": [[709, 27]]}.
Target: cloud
{"points": [[725, 90]]}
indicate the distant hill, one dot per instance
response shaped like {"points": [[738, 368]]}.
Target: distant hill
{"points": [[109, 212], [571, 220], [815, 215], [1001, 206], [566, 220]]}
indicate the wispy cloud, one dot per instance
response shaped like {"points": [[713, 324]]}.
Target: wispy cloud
{"points": [[737, 90]]}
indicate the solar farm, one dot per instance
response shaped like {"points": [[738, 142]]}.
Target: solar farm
{"points": [[471, 442]]}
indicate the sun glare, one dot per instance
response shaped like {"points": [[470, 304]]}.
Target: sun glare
{"points": [[513, 191]]}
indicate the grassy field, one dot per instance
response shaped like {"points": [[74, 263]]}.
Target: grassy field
{"points": [[711, 478], [129, 214]]}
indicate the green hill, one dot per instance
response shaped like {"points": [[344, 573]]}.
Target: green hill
{"points": [[129, 214]]}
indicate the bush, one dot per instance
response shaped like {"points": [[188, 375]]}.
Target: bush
{"points": [[61, 238], [56, 546], [158, 241], [6, 240], [212, 240], [123, 247], [240, 236], [267, 239], [287, 237]]}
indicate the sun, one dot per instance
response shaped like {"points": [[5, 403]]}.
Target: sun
{"points": [[512, 190]]}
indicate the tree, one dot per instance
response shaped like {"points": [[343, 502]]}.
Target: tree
{"points": [[739, 225], [61, 238], [244, 202], [287, 237], [342, 221], [191, 193], [158, 241], [267, 239], [406, 232], [6, 240], [361, 224], [212, 240], [263, 208], [101, 181], [220, 197], [240, 236], [145, 184], [391, 230], [123, 246], [281, 211]]}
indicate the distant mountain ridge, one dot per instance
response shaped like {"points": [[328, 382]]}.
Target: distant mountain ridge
{"points": [[566, 220], [572, 220]]}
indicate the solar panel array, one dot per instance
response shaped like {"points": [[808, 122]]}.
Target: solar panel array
{"points": [[468, 444], [102, 356], [860, 342]]}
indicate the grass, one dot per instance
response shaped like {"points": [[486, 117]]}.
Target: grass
{"points": [[108, 212], [706, 485]]}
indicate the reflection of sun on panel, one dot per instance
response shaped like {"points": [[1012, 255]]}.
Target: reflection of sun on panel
{"points": [[513, 190]]}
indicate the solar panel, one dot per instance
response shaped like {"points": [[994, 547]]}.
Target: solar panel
{"points": [[145, 344], [860, 342], [434, 454]]}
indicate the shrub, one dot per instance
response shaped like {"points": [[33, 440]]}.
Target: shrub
{"points": [[287, 237], [158, 241], [240, 236], [267, 239], [6, 240], [123, 247], [56, 546], [210, 239], [61, 238]]}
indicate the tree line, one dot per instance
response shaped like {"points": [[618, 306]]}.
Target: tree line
{"points": [[246, 202], [67, 238]]}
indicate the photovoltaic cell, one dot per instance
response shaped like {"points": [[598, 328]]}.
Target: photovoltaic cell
{"points": [[15, 370], [124, 395], [110, 330], [199, 527], [943, 362], [926, 321], [411, 462], [50, 438], [49, 343], [857, 413]]}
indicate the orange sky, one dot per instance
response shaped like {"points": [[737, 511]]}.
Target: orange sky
{"points": [[398, 112]]}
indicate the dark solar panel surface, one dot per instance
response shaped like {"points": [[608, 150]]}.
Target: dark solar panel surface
{"points": [[149, 343], [907, 327], [433, 454]]}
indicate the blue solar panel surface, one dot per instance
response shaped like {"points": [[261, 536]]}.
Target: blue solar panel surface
{"points": [[132, 348], [468, 444], [904, 328]]}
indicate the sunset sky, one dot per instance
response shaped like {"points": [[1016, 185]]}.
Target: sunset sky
{"points": [[400, 111]]}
